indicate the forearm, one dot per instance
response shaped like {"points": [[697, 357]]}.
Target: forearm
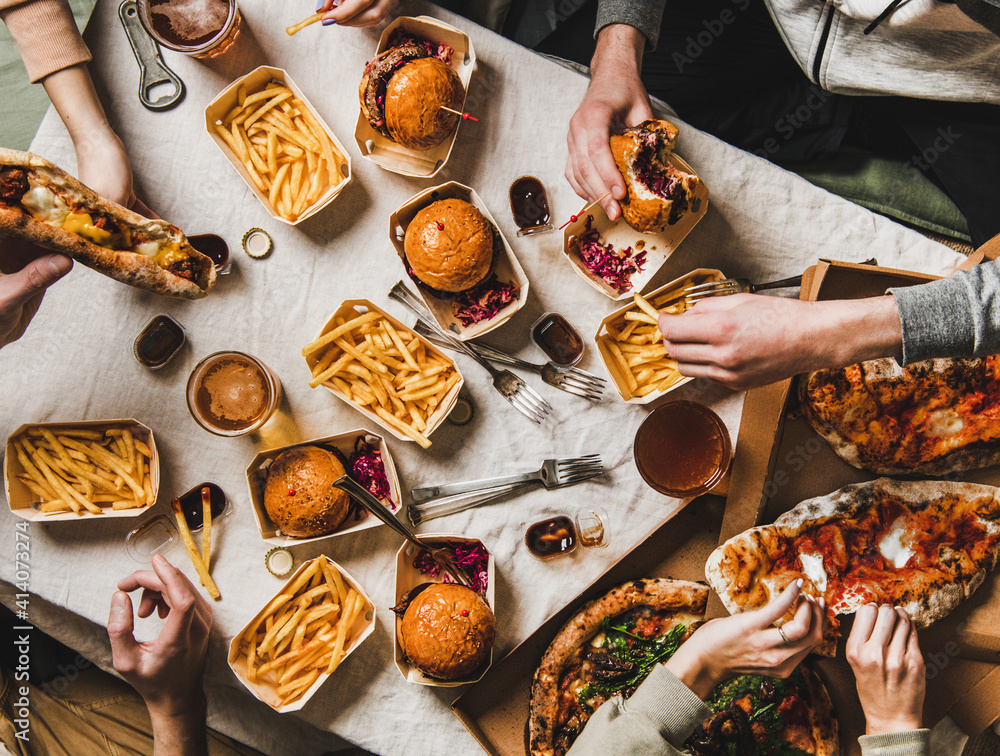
{"points": [[905, 743], [75, 99], [853, 330], [619, 50], [180, 734], [644, 16]]}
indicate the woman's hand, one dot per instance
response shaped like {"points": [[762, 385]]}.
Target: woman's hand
{"points": [[355, 12]]}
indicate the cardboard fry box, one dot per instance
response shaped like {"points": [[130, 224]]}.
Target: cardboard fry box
{"points": [[699, 276], [265, 688], [394, 157], [658, 247], [344, 443], [508, 268], [228, 99], [23, 503], [409, 577], [495, 709], [347, 311]]}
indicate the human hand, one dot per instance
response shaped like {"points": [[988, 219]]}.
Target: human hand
{"points": [[167, 670], [748, 340], [26, 271], [103, 165], [749, 643], [616, 97], [354, 12], [883, 651]]}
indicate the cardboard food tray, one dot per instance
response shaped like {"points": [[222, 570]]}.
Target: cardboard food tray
{"points": [[228, 99], [344, 443], [407, 578], [386, 153], [508, 268], [364, 625], [658, 247], [20, 498], [698, 276], [437, 417], [495, 710]]}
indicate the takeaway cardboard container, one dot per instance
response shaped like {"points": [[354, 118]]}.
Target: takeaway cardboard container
{"points": [[407, 578], [394, 157], [228, 99], [344, 443], [699, 276], [264, 689], [508, 268], [23, 503], [658, 247], [349, 310], [495, 709]]}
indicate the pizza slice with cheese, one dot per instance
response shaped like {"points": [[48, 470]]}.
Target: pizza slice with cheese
{"points": [[923, 545]]}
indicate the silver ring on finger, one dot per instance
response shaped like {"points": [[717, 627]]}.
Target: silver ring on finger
{"points": [[784, 637]]}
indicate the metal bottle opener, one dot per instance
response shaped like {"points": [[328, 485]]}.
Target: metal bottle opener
{"points": [[152, 69]]}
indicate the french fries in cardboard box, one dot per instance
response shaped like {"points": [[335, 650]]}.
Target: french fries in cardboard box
{"points": [[394, 157], [99, 475], [367, 382], [293, 143], [657, 247], [342, 442], [508, 269], [292, 653], [409, 577], [631, 345]]}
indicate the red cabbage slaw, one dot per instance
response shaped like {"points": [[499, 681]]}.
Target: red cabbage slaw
{"points": [[472, 557], [368, 469], [484, 301], [614, 267], [441, 51]]}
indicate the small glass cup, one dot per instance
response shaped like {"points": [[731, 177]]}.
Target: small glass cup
{"points": [[192, 27], [232, 393], [560, 535], [529, 206]]}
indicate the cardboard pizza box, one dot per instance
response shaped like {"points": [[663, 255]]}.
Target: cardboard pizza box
{"points": [[495, 709]]}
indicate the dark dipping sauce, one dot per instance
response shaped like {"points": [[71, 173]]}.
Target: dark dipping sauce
{"points": [[682, 449], [212, 246], [188, 23], [193, 509], [550, 538], [528, 203], [158, 342], [558, 339]]}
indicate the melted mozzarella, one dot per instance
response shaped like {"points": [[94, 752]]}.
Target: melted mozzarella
{"points": [[944, 422], [892, 546], [148, 248], [45, 206], [812, 565]]}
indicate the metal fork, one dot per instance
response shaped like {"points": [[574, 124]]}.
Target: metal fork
{"points": [[553, 473], [570, 379], [733, 286], [524, 398]]}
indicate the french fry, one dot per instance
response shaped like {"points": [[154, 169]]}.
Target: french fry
{"points": [[206, 530], [192, 551]]}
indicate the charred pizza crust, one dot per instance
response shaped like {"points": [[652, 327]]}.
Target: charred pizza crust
{"points": [[133, 268], [929, 418], [951, 532], [659, 593]]}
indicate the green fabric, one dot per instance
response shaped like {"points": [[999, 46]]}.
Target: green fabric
{"points": [[19, 124], [889, 187]]}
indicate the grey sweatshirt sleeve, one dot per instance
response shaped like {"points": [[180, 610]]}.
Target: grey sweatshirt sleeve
{"points": [[644, 15], [958, 316], [656, 720], [907, 743]]}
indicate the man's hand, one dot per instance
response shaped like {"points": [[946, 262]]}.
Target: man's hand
{"points": [[25, 273], [615, 98], [166, 671], [749, 643], [885, 656], [354, 12], [748, 340]]}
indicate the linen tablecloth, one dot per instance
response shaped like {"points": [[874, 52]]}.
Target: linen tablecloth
{"points": [[75, 361]]}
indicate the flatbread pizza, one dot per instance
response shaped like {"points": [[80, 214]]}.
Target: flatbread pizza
{"points": [[42, 204]]}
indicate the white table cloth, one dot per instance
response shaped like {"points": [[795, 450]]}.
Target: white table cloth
{"points": [[75, 360]]}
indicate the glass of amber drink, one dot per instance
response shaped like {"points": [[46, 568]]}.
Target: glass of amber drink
{"points": [[202, 28], [232, 393]]}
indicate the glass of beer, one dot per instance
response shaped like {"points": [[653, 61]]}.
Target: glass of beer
{"points": [[202, 28], [231, 393]]}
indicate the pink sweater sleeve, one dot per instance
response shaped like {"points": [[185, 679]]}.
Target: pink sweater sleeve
{"points": [[45, 34]]}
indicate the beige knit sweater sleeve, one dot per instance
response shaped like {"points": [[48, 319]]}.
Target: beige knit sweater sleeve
{"points": [[45, 34]]}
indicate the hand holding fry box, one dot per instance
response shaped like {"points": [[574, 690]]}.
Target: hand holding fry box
{"points": [[273, 137], [73, 470], [393, 376], [304, 633], [631, 344]]}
